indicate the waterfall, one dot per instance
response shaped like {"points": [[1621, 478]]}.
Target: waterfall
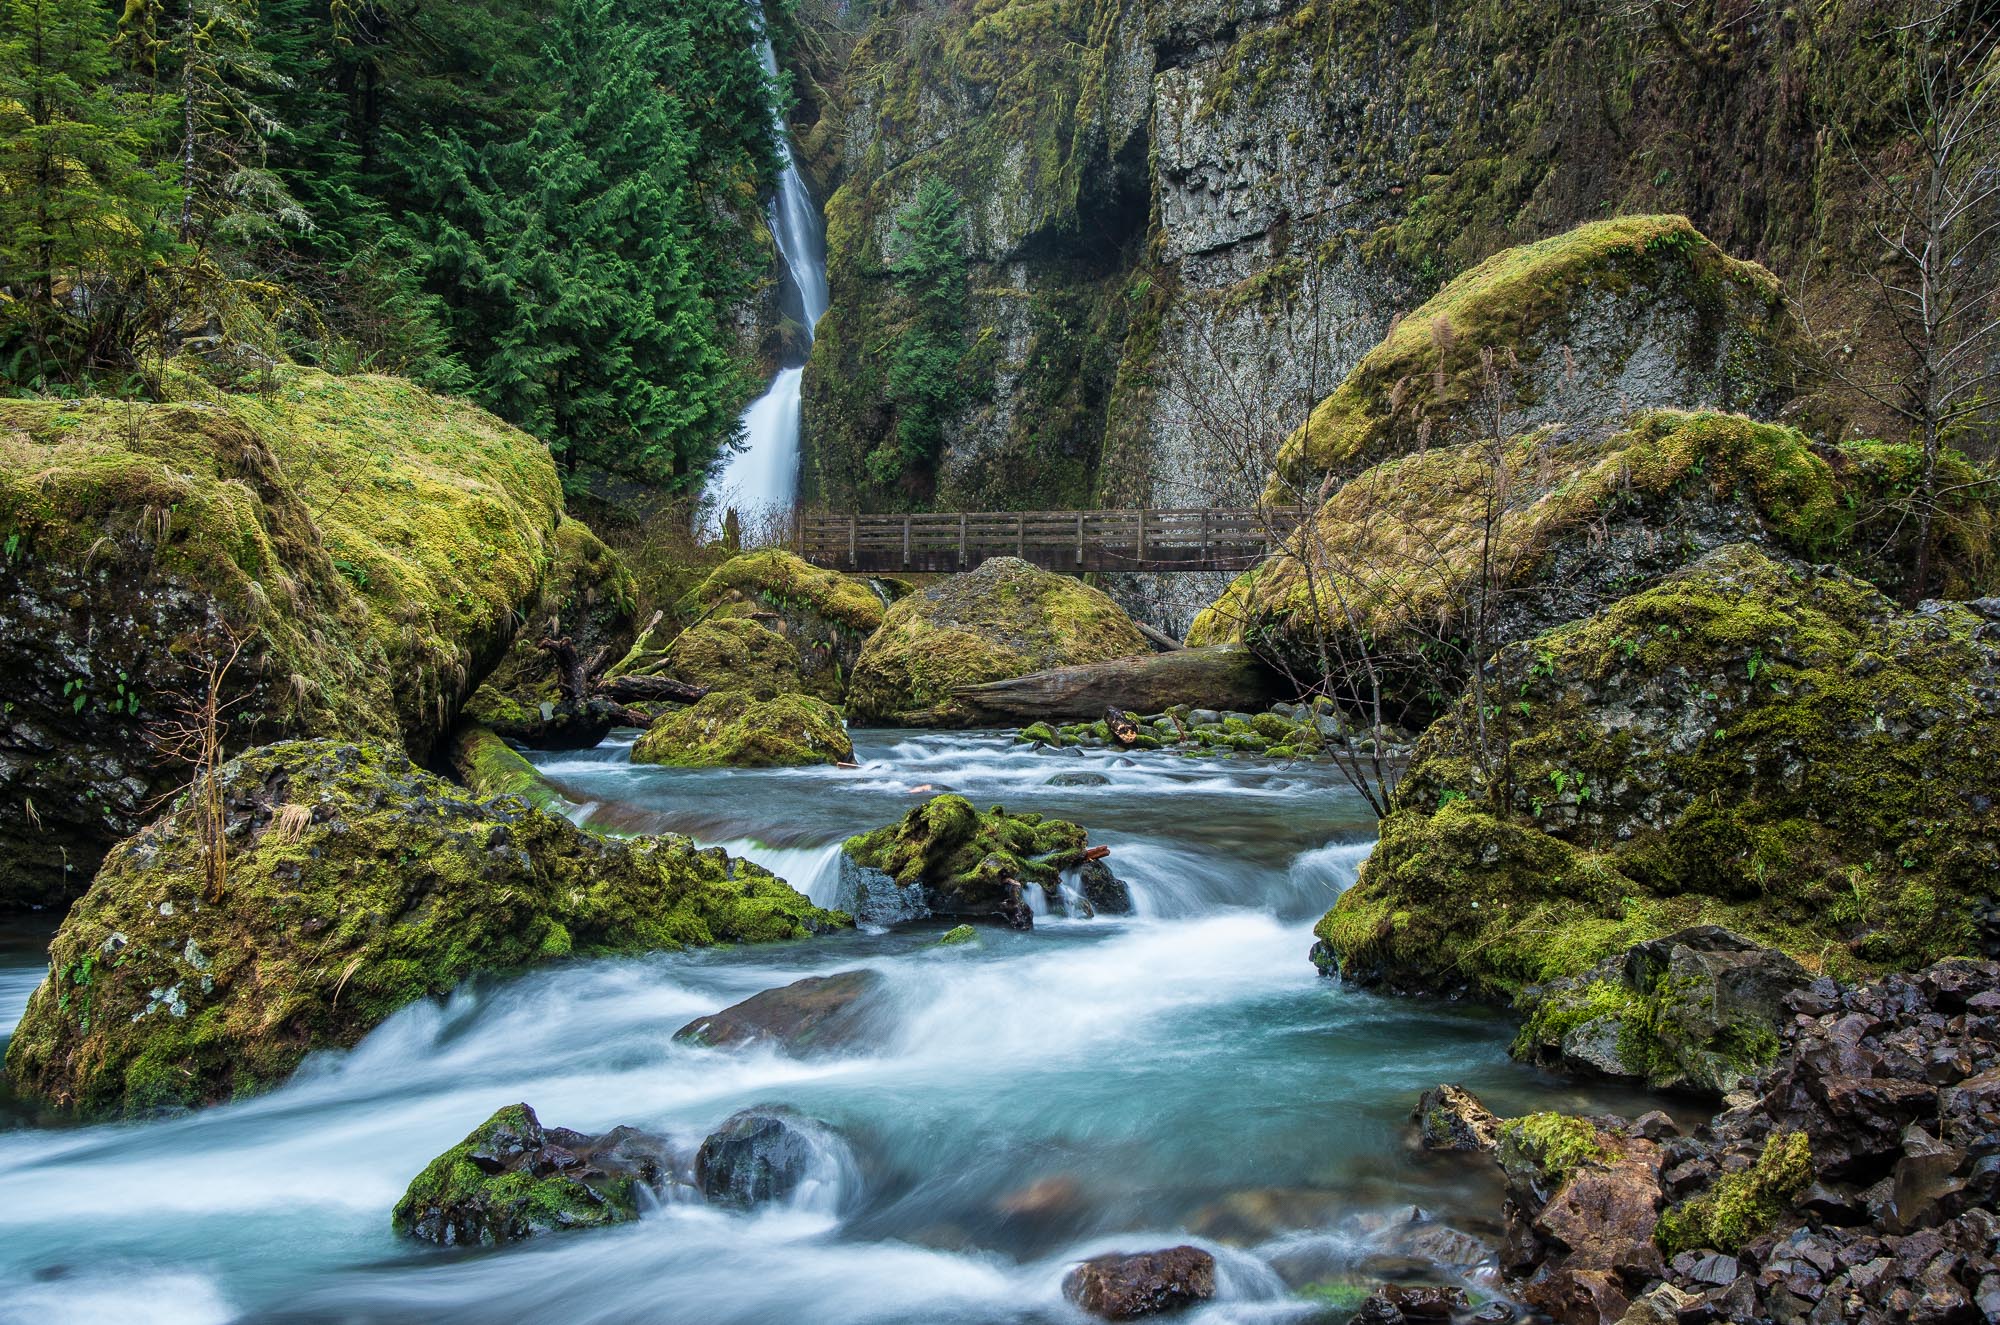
{"points": [[761, 481]]}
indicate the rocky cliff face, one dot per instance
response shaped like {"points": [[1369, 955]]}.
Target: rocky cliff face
{"points": [[1188, 219]]}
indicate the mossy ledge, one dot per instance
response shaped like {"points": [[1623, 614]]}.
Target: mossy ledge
{"points": [[1776, 749], [732, 729], [356, 883]]}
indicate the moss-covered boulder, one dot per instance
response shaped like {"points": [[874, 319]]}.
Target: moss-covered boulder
{"points": [[512, 1179], [1610, 317], [353, 883], [960, 862], [733, 729], [1393, 559], [1003, 620], [586, 598], [726, 653], [826, 617], [371, 543], [1750, 743]]}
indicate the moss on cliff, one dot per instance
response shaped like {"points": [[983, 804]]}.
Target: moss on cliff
{"points": [[1006, 619], [356, 883], [370, 541], [1751, 744], [733, 729]]}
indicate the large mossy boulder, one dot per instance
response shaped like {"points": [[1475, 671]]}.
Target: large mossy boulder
{"points": [[512, 1179], [955, 861], [353, 884], [371, 544], [1614, 316], [1005, 619], [826, 617], [725, 653], [1384, 582], [586, 598], [1776, 749], [732, 729]]}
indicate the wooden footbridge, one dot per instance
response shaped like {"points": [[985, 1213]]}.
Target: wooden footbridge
{"points": [[1176, 539]]}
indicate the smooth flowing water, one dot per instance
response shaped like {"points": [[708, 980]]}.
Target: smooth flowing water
{"points": [[1181, 1074], [762, 479]]}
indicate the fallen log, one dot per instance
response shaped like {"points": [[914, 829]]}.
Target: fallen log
{"points": [[649, 690], [1221, 677], [1162, 641]]}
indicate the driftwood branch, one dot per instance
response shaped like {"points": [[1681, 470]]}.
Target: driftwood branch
{"points": [[1227, 677], [649, 690]]}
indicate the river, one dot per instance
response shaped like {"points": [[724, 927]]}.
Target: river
{"points": [[1180, 1074]]}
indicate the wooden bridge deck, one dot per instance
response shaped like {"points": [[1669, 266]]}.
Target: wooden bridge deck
{"points": [[1181, 539]]}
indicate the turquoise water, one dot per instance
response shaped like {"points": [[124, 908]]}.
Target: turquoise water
{"points": [[1182, 1074]]}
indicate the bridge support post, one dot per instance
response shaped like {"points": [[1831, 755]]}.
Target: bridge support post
{"points": [[851, 520], [1142, 538], [961, 540], [1020, 535], [906, 542], [1079, 539]]}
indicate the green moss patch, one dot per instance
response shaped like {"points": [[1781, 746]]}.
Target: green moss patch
{"points": [[1741, 1205]]}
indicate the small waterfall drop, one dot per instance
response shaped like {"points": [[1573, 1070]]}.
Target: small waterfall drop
{"points": [[761, 481]]}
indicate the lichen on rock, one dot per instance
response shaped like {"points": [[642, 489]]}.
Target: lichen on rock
{"points": [[355, 884], [734, 729], [1005, 619], [1751, 743]]}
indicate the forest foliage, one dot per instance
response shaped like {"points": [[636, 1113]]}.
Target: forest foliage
{"points": [[549, 206]]}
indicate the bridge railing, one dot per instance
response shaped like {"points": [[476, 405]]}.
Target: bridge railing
{"points": [[1175, 538]]}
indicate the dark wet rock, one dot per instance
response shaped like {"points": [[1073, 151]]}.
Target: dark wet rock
{"points": [[1078, 780], [1414, 1303], [818, 1013], [1451, 1117], [511, 1178], [1102, 891], [1698, 1010], [764, 1154], [1853, 1180], [1126, 1286], [874, 898]]}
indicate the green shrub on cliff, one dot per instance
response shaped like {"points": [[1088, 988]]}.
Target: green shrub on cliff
{"points": [[927, 261], [1749, 743], [355, 884]]}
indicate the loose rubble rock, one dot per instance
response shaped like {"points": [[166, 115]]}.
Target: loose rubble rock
{"points": [[1126, 1286]]}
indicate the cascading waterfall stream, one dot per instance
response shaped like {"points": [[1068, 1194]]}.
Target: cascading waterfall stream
{"points": [[762, 479]]}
